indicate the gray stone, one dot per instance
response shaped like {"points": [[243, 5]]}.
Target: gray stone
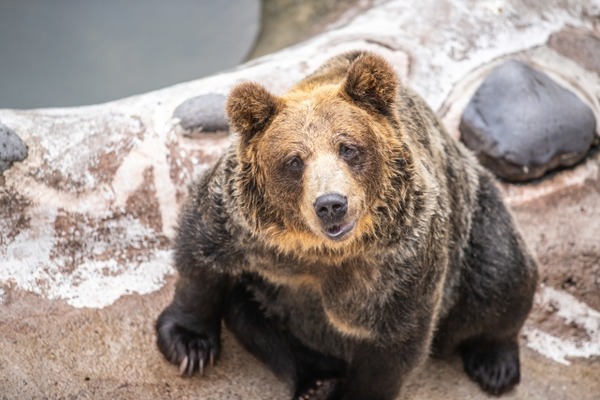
{"points": [[12, 148], [520, 123], [204, 113]]}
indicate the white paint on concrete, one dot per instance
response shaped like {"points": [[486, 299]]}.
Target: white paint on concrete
{"points": [[99, 284], [572, 312], [30, 261]]}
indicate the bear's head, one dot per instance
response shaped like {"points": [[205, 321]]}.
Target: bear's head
{"points": [[317, 165]]}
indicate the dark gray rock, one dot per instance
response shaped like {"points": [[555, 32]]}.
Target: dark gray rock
{"points": [[204, 113], [12, 148], [520, 123]]}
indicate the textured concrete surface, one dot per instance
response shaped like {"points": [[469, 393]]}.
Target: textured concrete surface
{"points": [[51, 350], [86, 219]]}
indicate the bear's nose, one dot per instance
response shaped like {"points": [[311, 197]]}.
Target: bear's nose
{"points": [[331, 207]]}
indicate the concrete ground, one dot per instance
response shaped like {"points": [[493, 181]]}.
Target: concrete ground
{"points": [[50, 350]]}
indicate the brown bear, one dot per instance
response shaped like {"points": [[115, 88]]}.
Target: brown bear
{"points": [[345, 237]]}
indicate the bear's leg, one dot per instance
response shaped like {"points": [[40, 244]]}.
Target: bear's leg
{"points": [[189, 329], [311, 374], [378, 372], [497, 282]]}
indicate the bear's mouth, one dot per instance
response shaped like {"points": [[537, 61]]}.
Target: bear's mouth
{"points": [[338, 232]]}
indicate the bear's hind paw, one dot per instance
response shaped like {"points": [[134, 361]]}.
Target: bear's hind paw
{"points": [[495, 368], [318, 390]]}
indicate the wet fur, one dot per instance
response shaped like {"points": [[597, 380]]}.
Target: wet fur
{"points": [[435, 264]]}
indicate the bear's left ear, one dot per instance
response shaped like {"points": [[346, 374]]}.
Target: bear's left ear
{"points": [[372, 84], [251, 108]]}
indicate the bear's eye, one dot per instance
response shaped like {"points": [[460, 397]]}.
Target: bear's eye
{"points": [[348, 152], [295, 164]]}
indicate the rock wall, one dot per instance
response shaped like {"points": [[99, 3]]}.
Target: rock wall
{"points": [[88, 215]]}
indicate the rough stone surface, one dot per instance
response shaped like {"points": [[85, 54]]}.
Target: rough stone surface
{"points": [[520, 123], [50, 350], [85, 222], [560, 216], [287, 22], [579, 45], [12, 148], [205, 113]]}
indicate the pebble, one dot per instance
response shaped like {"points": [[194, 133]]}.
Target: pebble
{"points": [[12, 148]]}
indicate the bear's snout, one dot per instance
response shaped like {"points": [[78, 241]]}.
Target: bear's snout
{"points": [[331, 207]]}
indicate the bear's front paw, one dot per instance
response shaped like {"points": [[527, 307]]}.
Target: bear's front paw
{"points": [[187, 342]]}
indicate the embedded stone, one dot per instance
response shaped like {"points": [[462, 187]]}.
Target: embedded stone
{"points": [[520, 123], [12, 148], [205, 113]]}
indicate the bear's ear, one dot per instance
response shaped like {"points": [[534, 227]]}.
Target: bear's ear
{"points": [[372, 84], [251, 108]]}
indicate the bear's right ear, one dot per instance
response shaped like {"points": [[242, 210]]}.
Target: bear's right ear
{"points": [[251, 108], [372, 83]]}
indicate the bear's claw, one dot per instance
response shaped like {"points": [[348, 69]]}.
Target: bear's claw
{"points": [[191, 348], [194, 356], [320, 390]]}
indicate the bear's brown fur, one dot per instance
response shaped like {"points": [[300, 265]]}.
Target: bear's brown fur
{"points": [[345, 237]]}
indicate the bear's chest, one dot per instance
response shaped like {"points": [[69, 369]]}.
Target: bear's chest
{"points": [[295, 302], [284, 271]]}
